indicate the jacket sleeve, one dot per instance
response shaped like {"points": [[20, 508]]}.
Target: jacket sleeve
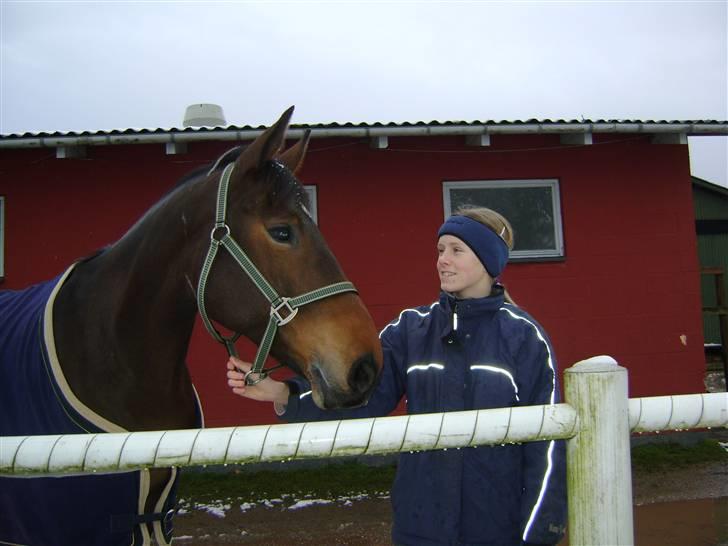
{"points": [[385, 397], [543, 505]]}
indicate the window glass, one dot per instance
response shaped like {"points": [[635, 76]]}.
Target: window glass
{"points": [[531, 206], [312, 199]]}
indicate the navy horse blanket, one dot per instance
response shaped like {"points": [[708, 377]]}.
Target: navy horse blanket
{"points": [[62, 510]]}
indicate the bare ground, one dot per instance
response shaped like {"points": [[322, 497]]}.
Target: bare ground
{"points": [[367, 522]]}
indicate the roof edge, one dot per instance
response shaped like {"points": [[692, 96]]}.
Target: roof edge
{"points": [[241, 133], [710, 186]]}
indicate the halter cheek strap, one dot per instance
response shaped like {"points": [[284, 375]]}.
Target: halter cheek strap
{"points": [[282, 309]]}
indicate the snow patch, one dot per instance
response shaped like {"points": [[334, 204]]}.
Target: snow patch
{"points": [[217, 510], [307, 503]]}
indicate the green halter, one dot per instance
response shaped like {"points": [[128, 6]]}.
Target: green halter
{"points": [[282, 309]]}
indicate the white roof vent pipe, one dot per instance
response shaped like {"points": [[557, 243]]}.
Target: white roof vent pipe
{"points": [[204, 115]]}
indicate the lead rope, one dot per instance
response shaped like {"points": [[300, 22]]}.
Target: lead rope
{"points": [[220, 236]]}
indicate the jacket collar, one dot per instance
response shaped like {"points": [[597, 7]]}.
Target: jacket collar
{"points": [[474, 306], [470, 307]]}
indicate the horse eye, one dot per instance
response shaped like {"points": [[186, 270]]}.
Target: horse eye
{"points": [[281, 234]]}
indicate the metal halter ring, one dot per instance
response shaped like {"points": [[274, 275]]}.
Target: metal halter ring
{"points": [[212, 233], [250, 382]]}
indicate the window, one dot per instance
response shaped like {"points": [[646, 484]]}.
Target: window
{"points": [[2, 237], [533, 208], [311, 191]]}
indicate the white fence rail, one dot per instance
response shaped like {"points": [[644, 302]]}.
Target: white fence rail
{"points": [[678, 412], [596, 421], [73, 453]]}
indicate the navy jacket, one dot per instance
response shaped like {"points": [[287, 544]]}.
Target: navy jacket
{"points": [[461, 355]]}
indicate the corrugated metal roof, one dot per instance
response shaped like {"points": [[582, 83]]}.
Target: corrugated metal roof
{"points": [[348, 125], [350, 129]]}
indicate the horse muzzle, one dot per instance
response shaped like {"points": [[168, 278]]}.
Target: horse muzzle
{"points": [[361, 381]]}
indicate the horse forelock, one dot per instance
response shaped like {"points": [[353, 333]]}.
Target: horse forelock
{"points": [[284, 189], [281, 184]]}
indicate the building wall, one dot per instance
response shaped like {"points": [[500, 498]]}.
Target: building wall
{"points": [[711, 208], [628, 286]]}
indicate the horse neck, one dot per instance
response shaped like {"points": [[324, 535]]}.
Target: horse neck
{"points": [[155, 299], [156, 266], [136, 305]]}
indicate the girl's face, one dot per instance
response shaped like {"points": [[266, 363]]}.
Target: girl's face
{"points": [[460, 270]]}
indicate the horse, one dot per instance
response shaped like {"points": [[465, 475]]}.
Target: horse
{"points": [[115, 327]]}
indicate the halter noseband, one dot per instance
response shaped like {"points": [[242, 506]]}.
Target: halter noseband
{"points": [[282, 309]]}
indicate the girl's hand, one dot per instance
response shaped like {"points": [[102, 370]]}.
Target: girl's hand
{"points": [[268, 390]]}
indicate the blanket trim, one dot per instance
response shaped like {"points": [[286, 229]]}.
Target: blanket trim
{"points": [[60, 379], [157, 525], [68, 398], [144, 482]]}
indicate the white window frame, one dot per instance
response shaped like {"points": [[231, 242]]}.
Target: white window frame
{"points": [[313, 201], [2, 236], [558, 251]]}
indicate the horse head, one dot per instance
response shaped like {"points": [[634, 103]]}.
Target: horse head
{"points": [[332, 341]]}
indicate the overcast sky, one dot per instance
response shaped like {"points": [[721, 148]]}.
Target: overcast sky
{"points": [[90, 66]]}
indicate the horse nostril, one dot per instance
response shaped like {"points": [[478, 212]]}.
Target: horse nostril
{"points": [[363, 374]]}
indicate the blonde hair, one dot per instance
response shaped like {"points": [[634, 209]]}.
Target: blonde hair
{"points": [[496, 222]]}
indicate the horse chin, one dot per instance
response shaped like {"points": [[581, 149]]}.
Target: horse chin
{"points": [[333, 400]]}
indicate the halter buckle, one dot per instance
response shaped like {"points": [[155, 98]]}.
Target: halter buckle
{"points": [[275, 311]]}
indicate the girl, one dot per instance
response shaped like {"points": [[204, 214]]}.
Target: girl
{"points": [[471, 349]]}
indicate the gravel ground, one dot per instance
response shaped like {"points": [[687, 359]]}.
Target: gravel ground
{"points": [[366, 521], [703, 481]]}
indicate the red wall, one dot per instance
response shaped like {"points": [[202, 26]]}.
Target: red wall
{"points": [[628, 287]]}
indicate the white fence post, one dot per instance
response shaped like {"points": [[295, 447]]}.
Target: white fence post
{"points": [[598, 458]]}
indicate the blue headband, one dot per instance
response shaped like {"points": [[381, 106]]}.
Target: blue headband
{"points": [[491, 249]]}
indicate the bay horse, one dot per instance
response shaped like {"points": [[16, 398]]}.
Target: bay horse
{"points": [[227, 241]]}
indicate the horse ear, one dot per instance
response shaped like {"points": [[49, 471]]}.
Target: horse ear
{"points": [[293, 156], [266, 146]]}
